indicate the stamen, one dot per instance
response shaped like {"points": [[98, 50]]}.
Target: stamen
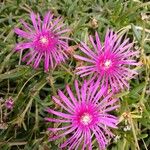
{"points": [[107, 63], [86, 119], [43, 40]]}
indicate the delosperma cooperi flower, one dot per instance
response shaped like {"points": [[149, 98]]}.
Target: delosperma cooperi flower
{"points": [[111, 62], [46, 40], [9, 103], [85, 117]]}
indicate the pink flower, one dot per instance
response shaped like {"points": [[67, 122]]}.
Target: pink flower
{"points": [[9, 103], [85, 116], [111, 63], [44, 40]]}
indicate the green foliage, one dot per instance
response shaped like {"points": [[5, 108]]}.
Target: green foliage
{"points": [[24, 126]]}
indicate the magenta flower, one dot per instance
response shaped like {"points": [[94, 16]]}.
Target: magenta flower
{"points": [[44, 40], [110, 63], [85, 117], [9, 103]]}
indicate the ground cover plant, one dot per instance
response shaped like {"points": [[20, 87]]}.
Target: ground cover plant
{"points": [[74, 74]]}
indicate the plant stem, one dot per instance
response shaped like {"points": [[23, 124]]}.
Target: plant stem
{"points": [[134, 132]]}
